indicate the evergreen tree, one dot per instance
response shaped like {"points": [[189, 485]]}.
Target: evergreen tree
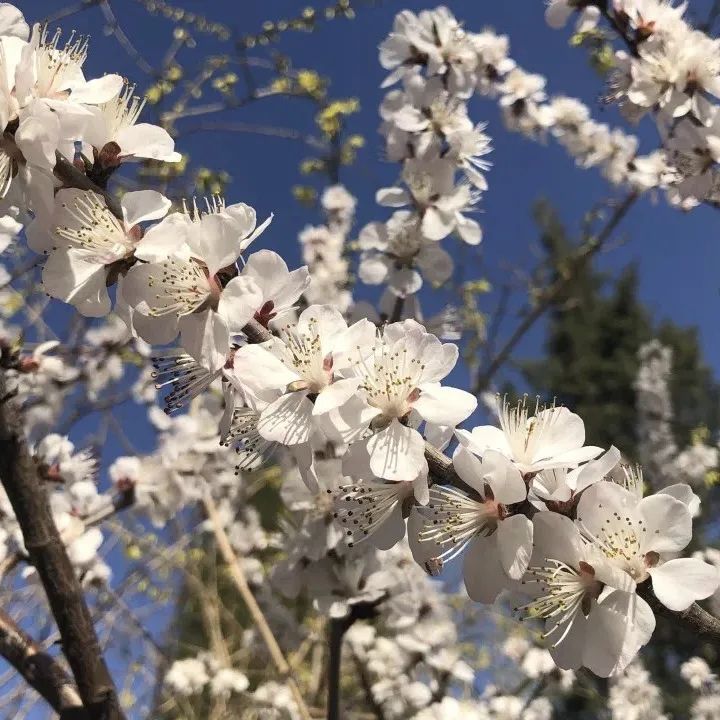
{"points": [[591, 350]]}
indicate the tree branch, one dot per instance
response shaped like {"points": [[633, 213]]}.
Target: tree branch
{"points": [[553, 292], [238, 577], [40, 670], [695, 618], [47, 553]]}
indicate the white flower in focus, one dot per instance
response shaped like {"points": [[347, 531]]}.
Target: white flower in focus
{"points": [[552, 438], [179, 287], [53, 71], [303, 363], [276, 289], [114, 132], [592, 617], [397, 378], [638, 537], [500, 544], [374, 511], [554, 487], [89, 242]]}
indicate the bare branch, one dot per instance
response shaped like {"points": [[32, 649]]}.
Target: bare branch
{"points": [[241, 583], [553, 292], [41, 671], [46, 550]]}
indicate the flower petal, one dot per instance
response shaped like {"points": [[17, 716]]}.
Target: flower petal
{"points": [[143, 205], [444, 405], [484, 575], [668, 523], [515, 538], [288, 420], [397, 452], [678, 583]]}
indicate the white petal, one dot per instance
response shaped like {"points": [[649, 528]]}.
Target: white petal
{"points": [[216, 241], [562, 431], [143, 205], [239, 300], [392, 197], [12, 22], [515, 538], [336, 395], [557, 13], [98, 91], [482, 571], [288, 420], [678, 583], [147, 141], [556, 536], [607, 629], [391, 530], [504, 478], [436, 263], [483, 437], [469, 469], [397, 452], [568, 652], [683, 493], [348, 423], [69, 277], [421, 491], [469, 230], [668, 523], [596, 470], [205, 336], [436, 225], [444, 405], [257, 368], [164, 239]]}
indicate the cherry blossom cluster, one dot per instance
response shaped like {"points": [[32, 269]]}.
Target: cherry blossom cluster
{"points": [[480, 63], [324, 250], [671, 71], [428, 130], [47, 106]]}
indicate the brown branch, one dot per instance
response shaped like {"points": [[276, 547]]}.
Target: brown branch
{"points": [[40, 670], [46, 551], [695, 618], [240, 581], [74, 178], [587, 251]]}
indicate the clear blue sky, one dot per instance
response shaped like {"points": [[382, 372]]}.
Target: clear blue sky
{"points": [[678, 254]]}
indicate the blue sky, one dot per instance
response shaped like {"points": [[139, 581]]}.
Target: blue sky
{"points": [[678, 254]]}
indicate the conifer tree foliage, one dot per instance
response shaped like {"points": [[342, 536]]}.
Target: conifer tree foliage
{"points": [[594, 332]]}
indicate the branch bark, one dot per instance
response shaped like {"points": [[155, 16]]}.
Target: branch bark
{"points": [[46, 551], [40, 670]]}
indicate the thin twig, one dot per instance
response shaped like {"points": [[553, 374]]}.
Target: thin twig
{"points": [[337, 627], [238, 577], [553, 293]]}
